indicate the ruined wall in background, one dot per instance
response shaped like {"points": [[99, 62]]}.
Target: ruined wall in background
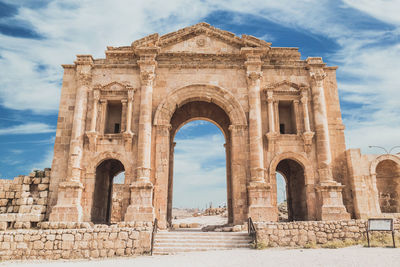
{"points": [[23, 201], [120, 202]]}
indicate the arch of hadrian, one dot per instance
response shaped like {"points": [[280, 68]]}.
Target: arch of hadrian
{"points": [[278, 113]]}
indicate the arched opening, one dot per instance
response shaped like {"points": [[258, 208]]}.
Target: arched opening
{"points": [[293, 174], [281, 197], [106, 171], [388, 183], [209, 174]]}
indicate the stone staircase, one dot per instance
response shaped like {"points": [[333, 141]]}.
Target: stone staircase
{"points": [[171, 242]]}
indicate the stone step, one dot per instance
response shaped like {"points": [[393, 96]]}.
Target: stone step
{"points": [[179, 241], [163, 241], [204, 245]]}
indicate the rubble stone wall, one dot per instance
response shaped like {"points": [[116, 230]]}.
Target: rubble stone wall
{"points": [[23, 201], [54, 241], [294, 234]]}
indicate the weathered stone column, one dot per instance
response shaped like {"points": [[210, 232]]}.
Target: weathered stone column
{"points": [[123, 115], [128, 134], [103, 104], [92, 134], [296, 115], [259, 192], [271, 135], [96, 98], [329, 191], [141, 206], [129, 112], [307, 134], [68, 207], [254, 75]]}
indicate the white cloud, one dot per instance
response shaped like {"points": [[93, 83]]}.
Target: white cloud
{"points": [[385, 10], [199, 171], [28, 128]]}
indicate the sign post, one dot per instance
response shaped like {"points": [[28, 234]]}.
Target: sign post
{"points": [[380, 224]]}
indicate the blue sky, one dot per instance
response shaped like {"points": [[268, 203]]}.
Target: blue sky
{"points": [[362, 37]]}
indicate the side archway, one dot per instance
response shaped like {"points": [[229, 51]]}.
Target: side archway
{"points": [[299, 176], [385, 172]]}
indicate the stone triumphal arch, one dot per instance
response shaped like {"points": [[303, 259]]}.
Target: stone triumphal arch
{"points": [[278, 113]]}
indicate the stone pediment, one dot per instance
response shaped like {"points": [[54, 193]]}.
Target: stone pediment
{"points": [[285, 86], [200, 38], [113, 86]]}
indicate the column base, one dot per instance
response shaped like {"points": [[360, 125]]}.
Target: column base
{"points": [[260, 204], [141, 207], [330, 197], [68, 208]]}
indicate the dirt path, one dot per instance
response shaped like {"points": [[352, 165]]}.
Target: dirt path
{"points": [[348, 257]]}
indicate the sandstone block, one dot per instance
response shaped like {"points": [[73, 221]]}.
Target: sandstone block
{"points": [[67, 237], [42, 187], [38, 244]]}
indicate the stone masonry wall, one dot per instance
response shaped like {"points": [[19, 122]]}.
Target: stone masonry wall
{"points": [[55, 241], [23, 201], [294, 234]]}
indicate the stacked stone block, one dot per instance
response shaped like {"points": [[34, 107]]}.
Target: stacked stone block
{"points": [[75, 240], [292, 234], [23, 201]]}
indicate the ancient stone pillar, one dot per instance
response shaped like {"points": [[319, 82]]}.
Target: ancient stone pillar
{"points": [[68, 207], [141, 206], [128, 134], [123, 115], [96, 98], [254, 75], [259, 192], [272, 134], [103, 105], [307, 134], [92, 134], [329, 191]]}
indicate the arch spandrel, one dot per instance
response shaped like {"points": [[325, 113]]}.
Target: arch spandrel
{"points": [[381, 158], [200, 92], [299, 158]]}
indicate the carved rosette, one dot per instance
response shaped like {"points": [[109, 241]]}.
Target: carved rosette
{"points": [[317, 77], [253, 77]]}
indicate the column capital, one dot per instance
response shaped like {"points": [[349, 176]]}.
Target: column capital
{"points": [[96, 94], [317, 77], [124, 101], [131, 93]]}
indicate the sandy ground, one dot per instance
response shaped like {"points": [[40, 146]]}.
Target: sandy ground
{"points": [[203, 220], [353, 256]]}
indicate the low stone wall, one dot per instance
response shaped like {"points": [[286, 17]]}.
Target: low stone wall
{"points": [[23, 200], [83, 241], [294, 234]]}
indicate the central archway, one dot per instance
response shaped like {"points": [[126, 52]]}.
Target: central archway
{"points": [[199, 110], [220, 107]]}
